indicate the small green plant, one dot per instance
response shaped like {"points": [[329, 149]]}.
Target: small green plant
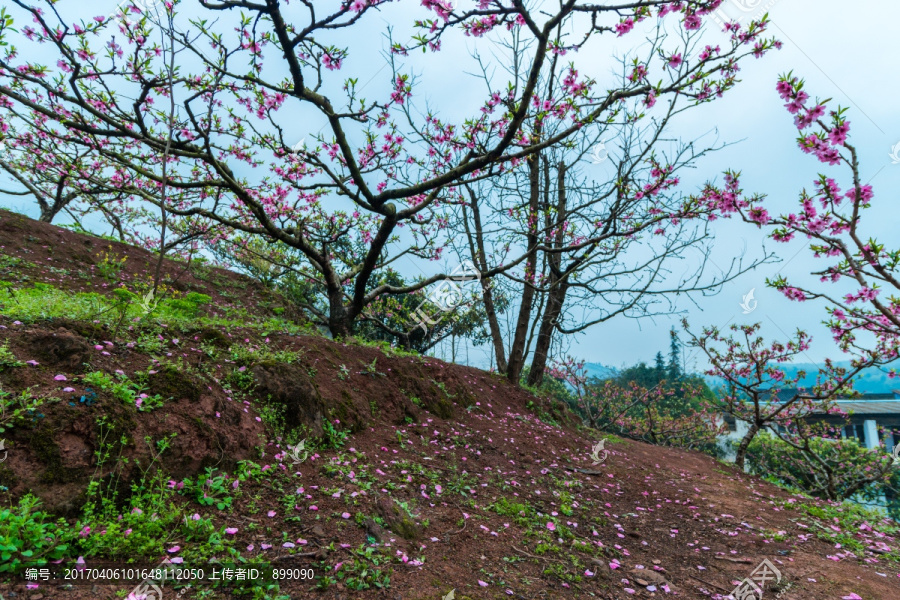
{"points": [[209, 489], [371, 369], [124, 295], [123, 301], [240, 378], [111, 265], [344, 372], [15, 410], [443, 387], [9, 263], [362, 573], [838, 524], [333, 437], [7, 358], [248, 356], [26, 536], [406, 508], [189, 306], [519, 512], [129, 392], [30, 304]]}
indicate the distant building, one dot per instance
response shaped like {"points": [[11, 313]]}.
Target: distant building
{"points": [[874, 419]]}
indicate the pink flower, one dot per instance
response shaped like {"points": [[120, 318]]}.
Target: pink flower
{"points": [[60, 378], [625, 26], [691, 22], [551, 526], [345, 515], [231, 530], [482, 584]]}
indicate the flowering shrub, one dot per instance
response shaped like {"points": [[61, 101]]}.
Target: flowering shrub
{"points": [[640, 413], [829, 468]]}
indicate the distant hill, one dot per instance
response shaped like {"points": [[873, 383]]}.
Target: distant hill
{"points": [[598, 370], [869, 381]]}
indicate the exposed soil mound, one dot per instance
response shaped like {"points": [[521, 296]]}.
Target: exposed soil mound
{"points": [[289, 388], [58, 448], [60, 349]]}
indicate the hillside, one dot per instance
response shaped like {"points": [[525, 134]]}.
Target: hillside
{"points": [[871, 380], [167, 436], [597, 370]]}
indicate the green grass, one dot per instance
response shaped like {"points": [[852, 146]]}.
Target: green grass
{"points": [[849, 518], [44, 301]]}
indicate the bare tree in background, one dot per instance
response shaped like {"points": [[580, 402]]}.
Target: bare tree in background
{"points": [[598, 240]]}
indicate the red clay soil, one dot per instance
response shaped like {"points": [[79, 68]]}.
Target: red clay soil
{"points": [[454, 446]]}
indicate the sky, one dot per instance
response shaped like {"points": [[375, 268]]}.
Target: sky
{"points": [[840, 49]]}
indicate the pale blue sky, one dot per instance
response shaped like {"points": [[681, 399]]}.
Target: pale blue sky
{"points": [[842, 50]]}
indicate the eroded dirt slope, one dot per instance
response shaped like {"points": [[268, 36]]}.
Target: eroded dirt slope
{"points": [[448, 478]]}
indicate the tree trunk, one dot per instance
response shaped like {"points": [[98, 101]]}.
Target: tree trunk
{"points": [[558, 285], [476, 249], [340, 327], [517, 351], [50, 210], [555, 300], [47, 215], [340, 322], [745, 443], [494, 325]]}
